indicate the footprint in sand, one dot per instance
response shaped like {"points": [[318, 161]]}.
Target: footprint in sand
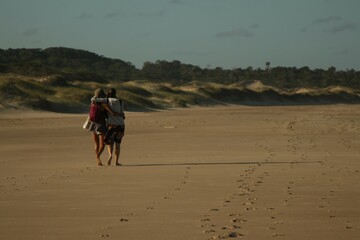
{"points": [[214, 210], [230, 227], [229, 235], [205, 220], [248, 203], [278, 235], [250, 208], [235, 214], [270, 228], [238, 220]]}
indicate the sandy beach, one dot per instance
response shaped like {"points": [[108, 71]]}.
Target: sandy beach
{"points": [[287, 172]]}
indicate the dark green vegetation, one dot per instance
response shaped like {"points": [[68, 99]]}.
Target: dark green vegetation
{"points": [[63, 80]]}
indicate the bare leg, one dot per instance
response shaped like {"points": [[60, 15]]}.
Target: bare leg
{"points": [[117, 154], [110, 151], [96, 140], [117, 148], [101, 149]]}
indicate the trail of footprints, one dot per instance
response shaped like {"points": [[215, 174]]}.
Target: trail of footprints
{"points": [[18, 183], [244, 196], [344, 131], [177, 188], [106, 229], [293, 146], [269, 150], [236, 207], [244, 200], [150, 206], [325, 201]]}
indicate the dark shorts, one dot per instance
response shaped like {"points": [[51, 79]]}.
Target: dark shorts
{"points": [[114, 134]]}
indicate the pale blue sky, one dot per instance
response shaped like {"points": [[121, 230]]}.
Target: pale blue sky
{"points": [[207, 33]]}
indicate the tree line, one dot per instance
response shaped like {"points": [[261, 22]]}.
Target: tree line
{"points": [[87, 66]]}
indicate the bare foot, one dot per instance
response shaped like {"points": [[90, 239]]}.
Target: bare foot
{"points": [[117, 164], [99, 163], [109, 161]]}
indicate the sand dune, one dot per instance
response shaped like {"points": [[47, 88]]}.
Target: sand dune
{"points": [[198, 173], [60, 94]]}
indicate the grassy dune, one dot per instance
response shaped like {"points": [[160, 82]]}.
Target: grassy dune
{"points": [[58, 94]]}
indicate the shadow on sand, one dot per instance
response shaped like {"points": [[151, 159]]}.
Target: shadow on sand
{"points": [[211, 163]]}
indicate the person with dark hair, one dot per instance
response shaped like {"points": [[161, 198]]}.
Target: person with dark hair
{"points": [[99, 114], [116, 126]]}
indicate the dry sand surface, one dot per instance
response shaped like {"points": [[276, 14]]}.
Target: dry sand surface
{"points": [[201, 173]]}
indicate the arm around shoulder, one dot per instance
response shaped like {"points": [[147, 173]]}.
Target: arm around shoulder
{"points": [[106, 106]]}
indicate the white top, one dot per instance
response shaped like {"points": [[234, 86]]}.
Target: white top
{"points": [[116, 106]]}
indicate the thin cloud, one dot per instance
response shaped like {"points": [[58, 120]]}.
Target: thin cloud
{"points": [[151, 14], [86, 16], [241, 32], [112, 15], [322, 21], [342, 28], [327, 20], [30, 32], [341, 52]]}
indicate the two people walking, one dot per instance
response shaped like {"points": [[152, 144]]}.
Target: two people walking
{"points": [[107, 113]]}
